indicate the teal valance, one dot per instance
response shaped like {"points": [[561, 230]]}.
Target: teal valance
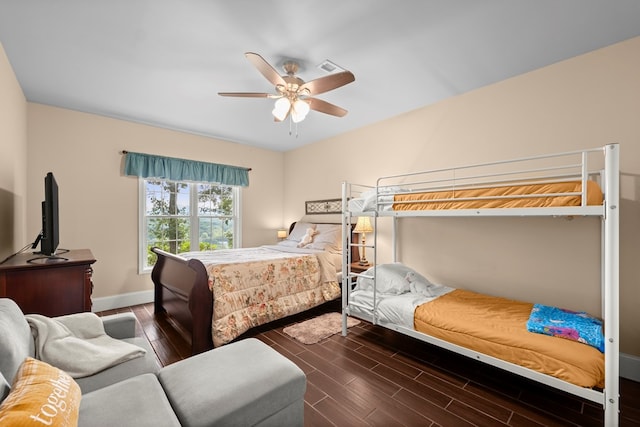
{"points": [[150, 166]]}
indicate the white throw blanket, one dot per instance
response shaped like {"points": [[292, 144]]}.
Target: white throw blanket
{"points": [[78, 344]]}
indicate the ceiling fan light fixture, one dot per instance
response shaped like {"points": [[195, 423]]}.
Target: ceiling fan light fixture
{"points": [[295, 97], [299, 111], [281, 108], [296, 118]]}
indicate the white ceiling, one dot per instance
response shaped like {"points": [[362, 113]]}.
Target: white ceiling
{"points": [[162, 62]]}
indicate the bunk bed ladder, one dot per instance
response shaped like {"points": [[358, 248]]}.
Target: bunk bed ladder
{"points": [[347, 245]]}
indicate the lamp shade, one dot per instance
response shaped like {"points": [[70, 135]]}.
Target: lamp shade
{"points": [[299, 110], [363, 225], [281, 108], [282, 234]]}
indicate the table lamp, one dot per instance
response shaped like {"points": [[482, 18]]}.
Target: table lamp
{"points": [[363, 226]]}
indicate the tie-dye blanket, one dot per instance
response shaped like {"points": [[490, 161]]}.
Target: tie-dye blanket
{"points": [[573, 325]]}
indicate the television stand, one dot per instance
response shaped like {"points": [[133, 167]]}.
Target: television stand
{"points": [[51, 287]]}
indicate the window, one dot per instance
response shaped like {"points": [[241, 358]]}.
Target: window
{"points": [[185, 216]]}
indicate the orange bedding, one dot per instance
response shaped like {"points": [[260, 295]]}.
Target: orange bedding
{"points": [[441, 200], [497, 327]]}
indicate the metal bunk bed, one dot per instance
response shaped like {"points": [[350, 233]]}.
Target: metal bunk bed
{"points": [[458, 185]]}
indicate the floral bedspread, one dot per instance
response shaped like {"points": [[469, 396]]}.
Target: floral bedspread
{"points": [[254, 286]]}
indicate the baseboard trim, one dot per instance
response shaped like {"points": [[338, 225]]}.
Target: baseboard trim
{"points": [[630, 367], [121, 300]]}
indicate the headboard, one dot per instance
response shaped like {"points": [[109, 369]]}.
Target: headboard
{"points": [[355, 253]]}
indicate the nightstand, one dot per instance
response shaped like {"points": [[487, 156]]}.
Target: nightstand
{"points": [[357, 268]]}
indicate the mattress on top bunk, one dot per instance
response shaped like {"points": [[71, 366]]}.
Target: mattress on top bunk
{"points": [[497, 327], [516, 196]]}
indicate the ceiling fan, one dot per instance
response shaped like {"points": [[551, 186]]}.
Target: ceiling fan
{"points": [[295, 97]]}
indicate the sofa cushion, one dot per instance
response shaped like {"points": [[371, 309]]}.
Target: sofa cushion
{"points": [[41, 394], [241, 383], [140, 365], [16, 342], [138, 401]]}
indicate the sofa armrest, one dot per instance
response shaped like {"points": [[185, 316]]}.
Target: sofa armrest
{"points": [[120, 326]]}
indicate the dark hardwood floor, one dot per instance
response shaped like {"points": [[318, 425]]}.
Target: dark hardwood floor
{"points": [[378, 377]]}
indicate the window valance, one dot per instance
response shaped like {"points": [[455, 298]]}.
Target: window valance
{"points": [[151, 166]]}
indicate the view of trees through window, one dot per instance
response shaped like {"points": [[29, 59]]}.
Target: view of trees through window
{"points": [[181, 217]]}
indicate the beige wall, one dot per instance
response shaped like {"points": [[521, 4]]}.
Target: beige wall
{"points": [[99, 206], [13, 160], [587, 101]]}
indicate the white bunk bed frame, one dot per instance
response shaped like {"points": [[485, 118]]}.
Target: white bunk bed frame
{"points": [[465, 177]]}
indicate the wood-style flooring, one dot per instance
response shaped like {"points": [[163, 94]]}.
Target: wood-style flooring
{"points": [[378, 377]]}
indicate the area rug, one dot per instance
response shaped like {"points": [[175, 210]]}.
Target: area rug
{"points": [[315, 330]]}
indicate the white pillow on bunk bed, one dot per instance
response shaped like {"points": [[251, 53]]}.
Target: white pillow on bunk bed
{"points": [[395, 279], [368, 201]]}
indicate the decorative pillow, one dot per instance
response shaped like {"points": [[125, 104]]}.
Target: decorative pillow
{"points": [[307, 238], [41, 395], [395, 279]]}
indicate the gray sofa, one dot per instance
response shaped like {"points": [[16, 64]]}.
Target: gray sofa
{"points": [[241, 384]]}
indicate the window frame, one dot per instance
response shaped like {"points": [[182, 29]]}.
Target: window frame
{"points": [[193, 217]]}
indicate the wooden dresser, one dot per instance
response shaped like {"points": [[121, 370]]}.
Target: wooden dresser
{"points": [[52, 287]]}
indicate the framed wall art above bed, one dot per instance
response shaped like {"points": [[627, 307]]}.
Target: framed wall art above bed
{"points": [[328, 206]]}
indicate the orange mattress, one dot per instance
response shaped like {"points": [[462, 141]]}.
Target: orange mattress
{"points": [[497, 327], [458, 199]]}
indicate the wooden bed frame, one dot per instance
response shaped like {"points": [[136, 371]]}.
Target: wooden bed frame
{"points": [[181, 291]]}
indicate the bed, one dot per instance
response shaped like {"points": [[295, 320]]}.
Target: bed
{"points": [[578, 183], [541, 184], [537, 195], [215, 296], [495, 326]]}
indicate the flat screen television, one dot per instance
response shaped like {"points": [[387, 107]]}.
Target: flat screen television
{"points": [[50, 227]]}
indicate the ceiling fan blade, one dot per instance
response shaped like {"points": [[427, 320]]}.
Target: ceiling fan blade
{"points": [[265, 69], [326, 107], [246, 94], [327, 83]]}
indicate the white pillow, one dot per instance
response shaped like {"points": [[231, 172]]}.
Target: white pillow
{"points": [[329, 238], [394, 279], [299, 230], [5, 388]]}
